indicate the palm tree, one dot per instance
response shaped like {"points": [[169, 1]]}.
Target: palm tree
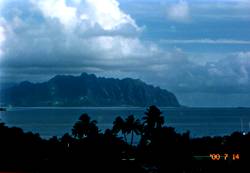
{"points": [[133, 126], [119, 126], [84, 127], [153, 118], [152, 121]]}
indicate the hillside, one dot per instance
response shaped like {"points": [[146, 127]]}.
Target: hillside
{"points": [[87, 90]]}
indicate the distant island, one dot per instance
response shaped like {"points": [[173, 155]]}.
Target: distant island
{"points": [[87, 90]]}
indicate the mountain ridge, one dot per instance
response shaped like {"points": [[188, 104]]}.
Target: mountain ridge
{"points": [[87, 90]]}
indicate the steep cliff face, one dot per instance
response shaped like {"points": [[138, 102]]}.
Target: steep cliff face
{"points": [[87, 90]]}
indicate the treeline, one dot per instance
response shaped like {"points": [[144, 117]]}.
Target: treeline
{"points": [[87, 149]]}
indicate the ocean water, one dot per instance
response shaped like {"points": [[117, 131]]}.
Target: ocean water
{"points": [[56, 121]]}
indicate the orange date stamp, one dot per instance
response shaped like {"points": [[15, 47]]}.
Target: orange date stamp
{"points": [[225, 156]]}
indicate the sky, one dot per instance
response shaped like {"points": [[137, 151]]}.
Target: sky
{"points": [[198, 49]]}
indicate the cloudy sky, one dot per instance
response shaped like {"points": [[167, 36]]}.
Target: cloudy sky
{"points": [[199, 49]]}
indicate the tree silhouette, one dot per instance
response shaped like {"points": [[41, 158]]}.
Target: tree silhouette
{"points": [[153, 118], [133, 126], [25, 151], [66, 140], [84, 127], [119, 126]]}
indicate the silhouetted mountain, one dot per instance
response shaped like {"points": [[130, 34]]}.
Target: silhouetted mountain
{"points": [[87, 90]]}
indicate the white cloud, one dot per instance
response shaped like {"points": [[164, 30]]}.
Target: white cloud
{"points": [[2, 39], [84, 20], [108, 15], [36, 44], [235, 67], [59, 10], [179, 12], [97, 37], [206, 41], [87, 14], [120, 47]]}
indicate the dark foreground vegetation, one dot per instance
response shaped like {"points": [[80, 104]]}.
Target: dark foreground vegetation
{"points": [[87, 149]]}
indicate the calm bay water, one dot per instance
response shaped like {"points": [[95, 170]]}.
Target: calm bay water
{"points": [[199, 121]]}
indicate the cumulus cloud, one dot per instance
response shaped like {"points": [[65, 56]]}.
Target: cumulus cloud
{"points": [[58, 36], [58, 9], [108, 15], [2, 39], [87, 14], [185, 75], [43, 38], [179, 12]]}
